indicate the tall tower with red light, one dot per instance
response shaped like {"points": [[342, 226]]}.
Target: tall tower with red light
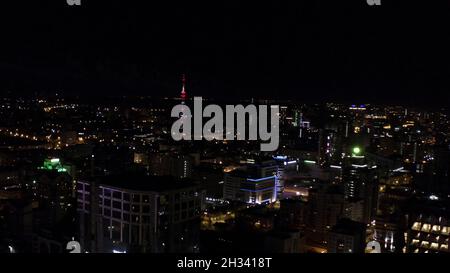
{"points": [[183, 94]]}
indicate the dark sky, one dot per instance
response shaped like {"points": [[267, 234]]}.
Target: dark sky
{"points": [[308, 50]]}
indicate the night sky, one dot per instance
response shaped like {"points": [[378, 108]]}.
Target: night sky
{"points": [[344, 51]]}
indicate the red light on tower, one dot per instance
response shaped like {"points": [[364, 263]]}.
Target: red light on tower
{"points": [[183, 95]]}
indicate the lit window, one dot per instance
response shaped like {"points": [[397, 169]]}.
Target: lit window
{"points": [[416, 226], [425, 244], [426, 227], [436, 228]]}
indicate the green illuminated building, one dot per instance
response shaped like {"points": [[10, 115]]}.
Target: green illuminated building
{"points": [[54, 164]]}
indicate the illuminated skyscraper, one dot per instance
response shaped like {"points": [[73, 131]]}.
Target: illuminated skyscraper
{"points": [[326, 147], [360, 185]]}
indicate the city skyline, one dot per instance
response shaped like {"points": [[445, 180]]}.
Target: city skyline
{"points": [[200, 130]]}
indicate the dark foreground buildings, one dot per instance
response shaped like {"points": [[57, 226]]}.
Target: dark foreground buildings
{"points": [[139, 214]]}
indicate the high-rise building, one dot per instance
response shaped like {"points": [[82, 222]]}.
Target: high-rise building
{"points": [[326, 207], [360, 185], [285, 165], [175, 165], [326, 147], [293, 214], [255, 183], [139, 214], [441, 170], [53, 209]]}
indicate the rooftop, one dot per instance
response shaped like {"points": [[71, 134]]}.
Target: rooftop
{"points": [[146, 183]]}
